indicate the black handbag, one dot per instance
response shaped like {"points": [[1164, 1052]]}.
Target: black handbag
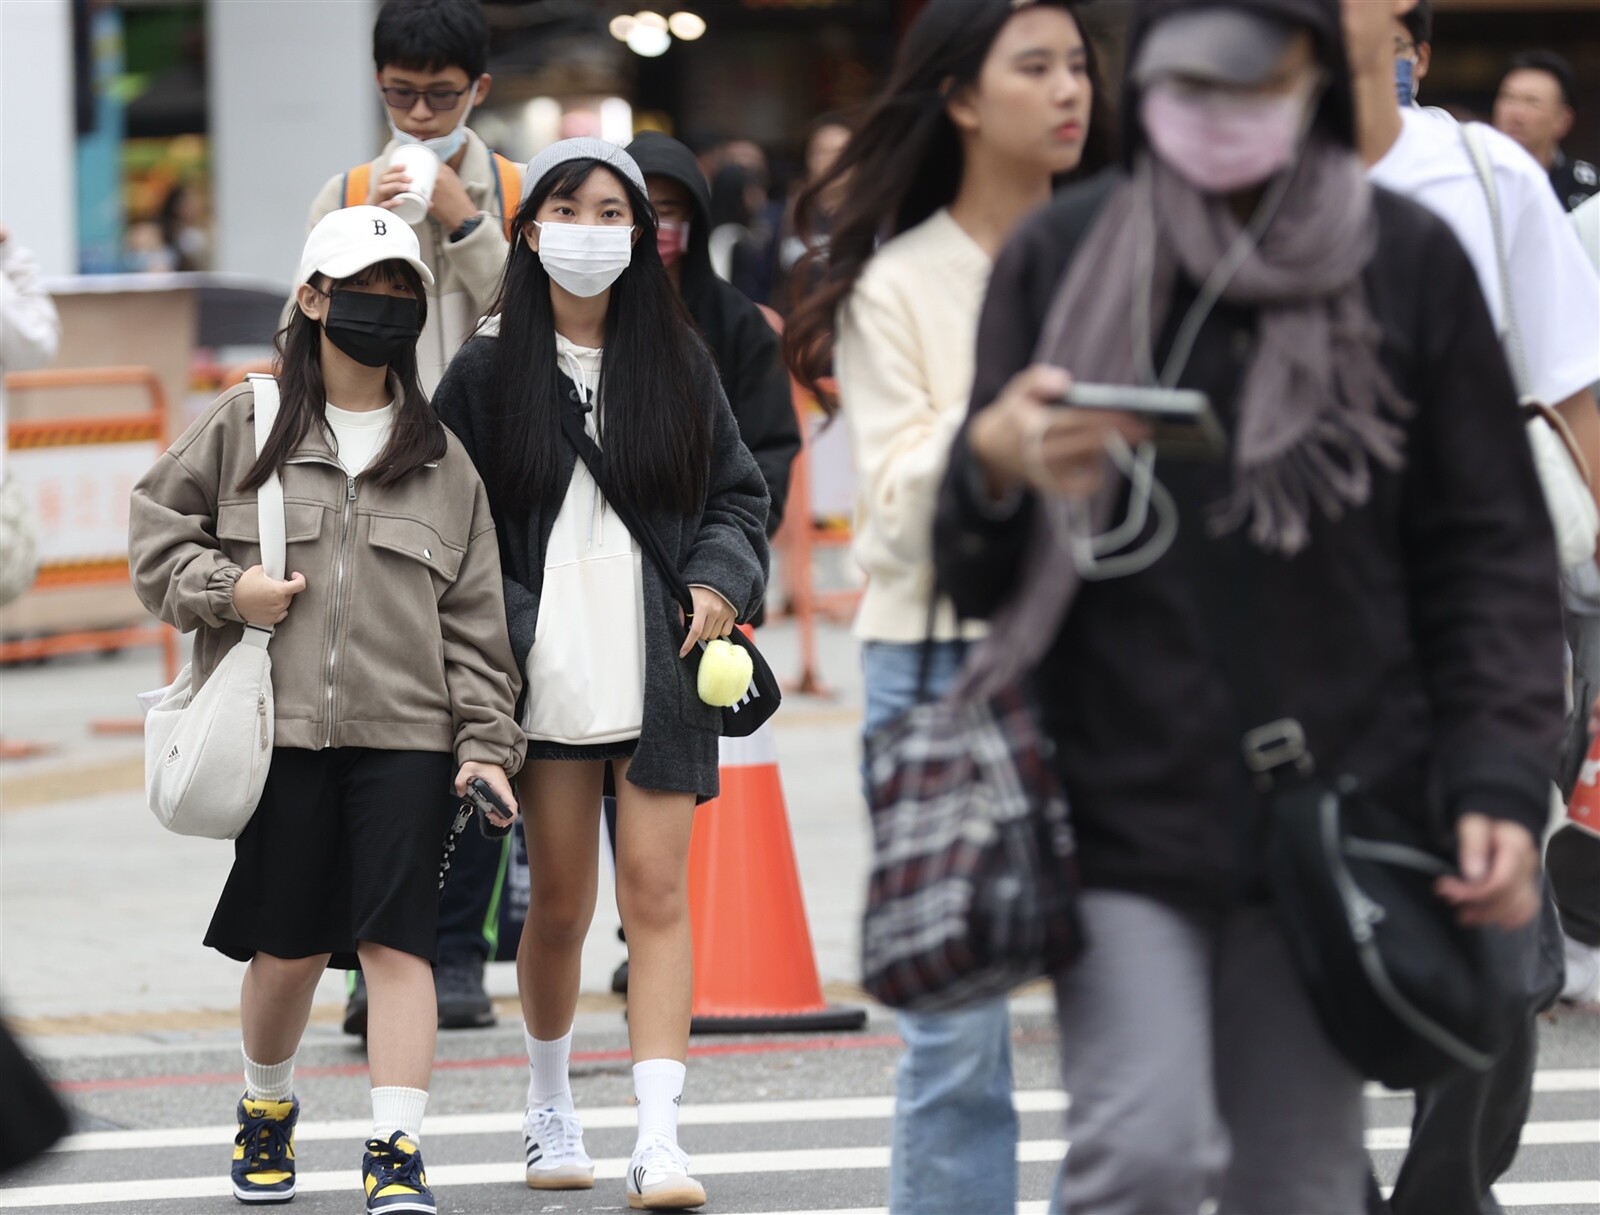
{"points": [[1404, 992], [763, 696], [974, 885]]}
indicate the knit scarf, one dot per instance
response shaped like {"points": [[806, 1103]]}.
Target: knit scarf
{"points": [[1316, 407]]}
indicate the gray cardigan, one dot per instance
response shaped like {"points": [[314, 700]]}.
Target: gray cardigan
{"points": [[724, 547]]}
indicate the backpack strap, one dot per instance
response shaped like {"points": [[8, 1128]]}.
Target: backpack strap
{"points": [[507, 188], [357, 184], [269, 498]]}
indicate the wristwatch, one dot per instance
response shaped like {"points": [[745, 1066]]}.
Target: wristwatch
{"points": [[467, 228]]}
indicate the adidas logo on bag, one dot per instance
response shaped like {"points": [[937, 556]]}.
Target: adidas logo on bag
{"points": [[172, 756]]}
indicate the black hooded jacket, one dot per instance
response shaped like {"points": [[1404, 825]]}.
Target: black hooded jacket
{"points": [[743, 344]]}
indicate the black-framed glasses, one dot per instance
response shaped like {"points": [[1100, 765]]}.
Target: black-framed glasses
{"points": [[438, 101]]}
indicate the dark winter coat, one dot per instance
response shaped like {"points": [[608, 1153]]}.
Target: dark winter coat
{"points": [[744, 345], [1417, 639], [724, 547]]}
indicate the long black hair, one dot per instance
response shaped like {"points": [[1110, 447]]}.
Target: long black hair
{"points": [[656, 423], [417, 436], [904, 161]]}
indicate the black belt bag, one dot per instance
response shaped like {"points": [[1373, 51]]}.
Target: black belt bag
{"points": [[1405, 992]]}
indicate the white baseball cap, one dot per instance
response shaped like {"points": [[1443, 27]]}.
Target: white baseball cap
{"points": [[354, 238]]}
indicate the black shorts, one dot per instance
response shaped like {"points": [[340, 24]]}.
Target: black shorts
{"points": [[345, 846]]}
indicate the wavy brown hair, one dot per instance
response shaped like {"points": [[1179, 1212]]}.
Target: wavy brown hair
{"points": [[902, 164]]}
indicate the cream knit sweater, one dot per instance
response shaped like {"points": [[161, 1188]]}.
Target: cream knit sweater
{"points": [[904, 359]]}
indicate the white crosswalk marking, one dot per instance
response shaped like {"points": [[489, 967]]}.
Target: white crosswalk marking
{"points": [[143, 1193]]}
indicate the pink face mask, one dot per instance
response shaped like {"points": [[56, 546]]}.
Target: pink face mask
{"points": [[671, 241], [1220, 141]]}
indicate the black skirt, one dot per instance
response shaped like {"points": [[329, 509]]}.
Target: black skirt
{"points": [[345, 846], [539, 748]]}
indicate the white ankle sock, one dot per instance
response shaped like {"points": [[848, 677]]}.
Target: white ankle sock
{"points": [[658, 1083], [548, 1084], [398, 1109], [268, 1081]]}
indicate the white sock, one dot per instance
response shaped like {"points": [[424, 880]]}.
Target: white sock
{"points": [[268, 1081], [398, 1109], [549, 1087], [658, 1083]]}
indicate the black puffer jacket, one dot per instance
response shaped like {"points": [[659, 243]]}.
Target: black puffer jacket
{"points": [[743, 344]]}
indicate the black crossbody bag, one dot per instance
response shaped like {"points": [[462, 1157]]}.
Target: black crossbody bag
{"points": [[763, 696], [1405, 992]]}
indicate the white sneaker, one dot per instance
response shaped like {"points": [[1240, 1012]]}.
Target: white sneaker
{"points": [[553, 1143], [1583, 972], [658, 1178]]}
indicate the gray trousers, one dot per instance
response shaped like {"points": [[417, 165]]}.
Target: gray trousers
{"points": [[1197, 1070]]}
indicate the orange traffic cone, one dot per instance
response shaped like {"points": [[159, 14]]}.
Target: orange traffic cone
{"points": [[754, 971], [1583, 810]]}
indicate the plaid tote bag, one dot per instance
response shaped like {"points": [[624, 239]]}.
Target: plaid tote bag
{"points": [[974, 879]]}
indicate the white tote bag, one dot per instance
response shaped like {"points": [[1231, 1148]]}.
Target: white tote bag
{"points": [[206, 753], [1563, 472]]}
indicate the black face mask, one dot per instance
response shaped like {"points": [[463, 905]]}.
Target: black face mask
{"points": [[374, 330]]}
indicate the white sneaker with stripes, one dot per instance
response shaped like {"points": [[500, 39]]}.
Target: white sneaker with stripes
{"points": [[658, 1177], [553, 1143]]}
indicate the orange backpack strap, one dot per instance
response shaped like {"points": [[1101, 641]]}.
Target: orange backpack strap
{"points": [[357, 183], [508, 188]]}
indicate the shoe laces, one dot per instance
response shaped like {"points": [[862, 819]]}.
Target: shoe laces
{"points": [[570, 1133], [392, 1165], [265, 1140], [658, 1154]]}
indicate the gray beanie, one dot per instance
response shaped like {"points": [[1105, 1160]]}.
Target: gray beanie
{"points": [[585, 147]]}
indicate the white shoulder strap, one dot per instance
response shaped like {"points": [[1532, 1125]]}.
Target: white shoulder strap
{"points": [[1478, 150], [269, 498]]}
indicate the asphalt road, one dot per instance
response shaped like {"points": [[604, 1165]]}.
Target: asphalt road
{"points": [[774, 1124]]}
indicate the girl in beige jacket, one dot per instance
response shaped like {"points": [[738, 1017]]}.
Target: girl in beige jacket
{"points": [[392, 674]]}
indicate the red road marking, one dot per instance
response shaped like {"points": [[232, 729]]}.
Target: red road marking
{"points": [[706, 1051]]}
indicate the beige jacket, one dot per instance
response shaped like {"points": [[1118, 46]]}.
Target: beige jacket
{"points": [[466, 273], [398, 641]]}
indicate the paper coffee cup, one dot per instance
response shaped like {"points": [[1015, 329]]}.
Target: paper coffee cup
{"points": [[422, 166]]}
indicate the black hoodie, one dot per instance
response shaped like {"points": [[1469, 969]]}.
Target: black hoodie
{"points": [[743, 344]]}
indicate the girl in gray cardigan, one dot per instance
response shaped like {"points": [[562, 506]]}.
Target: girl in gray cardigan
{"points": [[588, 324]]}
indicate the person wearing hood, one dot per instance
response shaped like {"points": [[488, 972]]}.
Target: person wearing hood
{"points": [[1374, 480], [742, 342]]}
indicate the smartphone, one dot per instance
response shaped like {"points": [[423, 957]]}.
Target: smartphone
{"points": [[485, 800], [1181, 421]]}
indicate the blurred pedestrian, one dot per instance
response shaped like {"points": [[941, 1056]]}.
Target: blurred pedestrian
{"points": [[431, 58], [31, 1117], [1413, 50], [1535, 105], [988, 107], [1467, 1127], [764, 264], [29, 334], [1376, 478], [384, 699], [589, 331]]}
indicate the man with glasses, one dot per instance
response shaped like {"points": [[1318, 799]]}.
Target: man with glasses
{"points": [[430, 57]]}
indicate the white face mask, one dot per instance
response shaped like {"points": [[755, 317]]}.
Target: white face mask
{"points": [[584, 259], [442, 146]]}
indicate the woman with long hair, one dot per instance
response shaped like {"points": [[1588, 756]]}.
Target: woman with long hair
{"points": [[391, 671], [589, 332], [990, 104]]}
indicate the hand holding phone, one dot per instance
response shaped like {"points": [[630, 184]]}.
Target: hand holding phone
{"points": [[494, 817]]}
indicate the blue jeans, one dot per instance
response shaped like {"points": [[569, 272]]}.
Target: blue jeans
{"points": [[955, 1128]]}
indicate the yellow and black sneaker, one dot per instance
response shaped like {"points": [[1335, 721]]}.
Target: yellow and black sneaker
{"points": [[392, 1175], [263, 1150]]}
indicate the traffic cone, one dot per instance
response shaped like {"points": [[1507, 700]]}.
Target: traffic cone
{"points": [[754, 971], [1583, 810]]}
